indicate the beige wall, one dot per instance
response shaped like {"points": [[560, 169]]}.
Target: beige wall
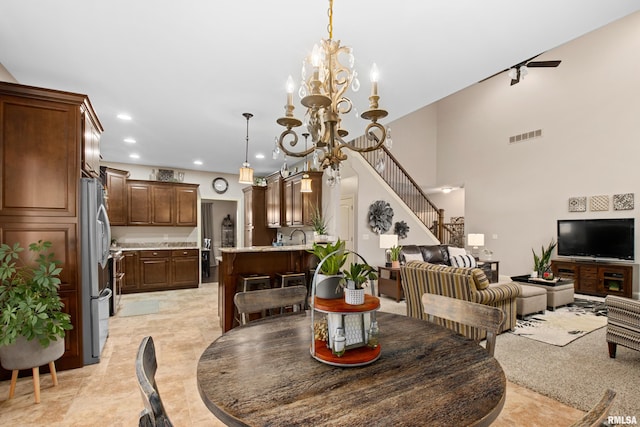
{"points": [[6, 76], [588, 111]]}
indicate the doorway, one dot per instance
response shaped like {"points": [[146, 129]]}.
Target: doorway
{"points": [[217, 218]]}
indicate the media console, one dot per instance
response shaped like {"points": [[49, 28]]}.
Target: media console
{"points": [[599, 278]]}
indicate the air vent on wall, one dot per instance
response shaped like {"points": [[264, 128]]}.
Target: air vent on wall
{"points": [[525, 136]]}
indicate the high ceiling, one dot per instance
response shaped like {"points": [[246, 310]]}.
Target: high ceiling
{"points": [[187, 70]]}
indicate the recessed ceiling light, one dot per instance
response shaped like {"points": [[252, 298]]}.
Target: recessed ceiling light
{"points": [[124, 116], [197, 162], [130, 140], [134, 156], [259, 156]]}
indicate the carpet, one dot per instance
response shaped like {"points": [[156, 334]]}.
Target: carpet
{"points": [[565, 324], [139, 308]]}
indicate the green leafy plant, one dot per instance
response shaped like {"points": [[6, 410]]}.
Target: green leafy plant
{"points": [[29, 300], [395, 253], [359, 274], [318, 222], [542, 262], [334, 253]]}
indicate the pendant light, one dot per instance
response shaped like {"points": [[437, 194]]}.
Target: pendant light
{"points": [[246, 172]]}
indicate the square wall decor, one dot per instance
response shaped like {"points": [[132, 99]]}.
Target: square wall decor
{"points": [[599, 203], [577, 204], [623, 202]]}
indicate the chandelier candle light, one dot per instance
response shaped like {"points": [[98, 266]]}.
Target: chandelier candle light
{"points": [[323, 95]]}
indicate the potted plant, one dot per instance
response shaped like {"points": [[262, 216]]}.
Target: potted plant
{"points": [[332, 257], [353, 281], [32, 321], [319, 225], [542, 262], [395, 256]]}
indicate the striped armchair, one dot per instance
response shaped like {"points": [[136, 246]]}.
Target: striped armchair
{"points": [[469, 284], [623, 323]]}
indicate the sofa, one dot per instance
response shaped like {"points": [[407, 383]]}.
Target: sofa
{"points": [[434, 254], [470, 284]]}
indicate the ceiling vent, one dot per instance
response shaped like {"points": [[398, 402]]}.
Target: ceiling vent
{"points": [[525, 136]]}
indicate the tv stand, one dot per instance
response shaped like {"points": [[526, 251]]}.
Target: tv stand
{"points": [[599, 278]]}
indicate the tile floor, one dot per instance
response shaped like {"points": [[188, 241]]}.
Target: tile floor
{"points": [[185, 324]]}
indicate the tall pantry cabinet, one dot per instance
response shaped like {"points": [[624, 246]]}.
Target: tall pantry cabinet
{"points": [[49, 139]]}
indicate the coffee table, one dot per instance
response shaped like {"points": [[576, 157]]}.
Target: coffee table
{"points": [[559, 292]]}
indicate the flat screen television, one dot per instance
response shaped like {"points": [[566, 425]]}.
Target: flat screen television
{"points": [[597, 238]]}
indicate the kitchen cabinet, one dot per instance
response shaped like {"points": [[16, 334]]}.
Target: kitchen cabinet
{"points": [[160, 270], [274, 200], [256, 232], [299, 206], [162, 203], [45, 134], [115, 184]]}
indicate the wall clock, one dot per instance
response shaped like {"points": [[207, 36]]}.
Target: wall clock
{"points": [[220, 185]]}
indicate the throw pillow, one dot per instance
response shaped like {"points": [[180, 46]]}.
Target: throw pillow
{"points": [[464, 261], [453, 251], [480, 279], [413, 257]]}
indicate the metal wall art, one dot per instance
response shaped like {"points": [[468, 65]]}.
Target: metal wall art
{"points": [[380, 216], [599, 203], [577, 204], [623, 202]]}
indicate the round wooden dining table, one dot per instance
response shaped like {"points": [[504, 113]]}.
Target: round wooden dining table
{"points": [[262, 374]]}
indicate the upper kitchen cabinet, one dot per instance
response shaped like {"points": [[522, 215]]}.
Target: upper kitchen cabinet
{"points": [[274, 200], [91, 130], [115, 183], [299, 206], [162, 203]]}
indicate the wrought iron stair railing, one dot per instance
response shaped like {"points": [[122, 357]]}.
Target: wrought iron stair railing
{"points": [[390, 170]]}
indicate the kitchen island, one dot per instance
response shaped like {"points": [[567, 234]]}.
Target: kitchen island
{"points": [[264, 260]]}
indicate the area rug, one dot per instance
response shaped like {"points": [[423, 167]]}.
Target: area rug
{"points": [[139, 308], [565, 324]]}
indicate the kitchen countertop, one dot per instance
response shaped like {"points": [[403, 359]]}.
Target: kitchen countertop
{"points": [[267, 249], [152, 248]]}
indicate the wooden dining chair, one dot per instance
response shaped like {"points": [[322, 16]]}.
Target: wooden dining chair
{"points": [[153, 414], [596, 416], [268, 299], [469, 313]]}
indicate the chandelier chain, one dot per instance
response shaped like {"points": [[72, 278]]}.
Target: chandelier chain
{"points": [[330, 25]]}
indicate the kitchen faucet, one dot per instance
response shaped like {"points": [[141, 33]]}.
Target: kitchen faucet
{"points": [[304, 235]]}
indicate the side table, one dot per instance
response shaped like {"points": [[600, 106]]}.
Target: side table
{"points": [[389, 282], [490, 268]]}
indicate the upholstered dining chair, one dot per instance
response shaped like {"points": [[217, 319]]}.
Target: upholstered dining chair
{"points": [[598, 413], [623, 323], [153, 414], [469, 313], [268, 299]]}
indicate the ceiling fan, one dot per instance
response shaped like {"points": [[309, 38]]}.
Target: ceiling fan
{"points": [[521, 69]]}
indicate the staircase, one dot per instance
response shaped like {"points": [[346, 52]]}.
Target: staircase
{"points": [[412, 195]]}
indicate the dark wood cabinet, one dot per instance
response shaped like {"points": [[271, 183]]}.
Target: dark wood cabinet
{"points": [[160, 270], [162, 203], [299, 206], [598, 278], [132, 269], [48, 140], [274, 201], [115, 183], [256, 232]]}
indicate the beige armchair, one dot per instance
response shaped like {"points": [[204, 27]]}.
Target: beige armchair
{"points": [[623, 323]]}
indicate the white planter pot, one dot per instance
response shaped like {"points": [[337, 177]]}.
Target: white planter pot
{"points": [[354, 296], [320, 238]]}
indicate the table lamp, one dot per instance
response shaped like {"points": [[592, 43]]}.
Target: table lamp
{"points": [[388, 241], [475, 240]]}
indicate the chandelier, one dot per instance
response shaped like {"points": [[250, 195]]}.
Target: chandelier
{"points": [[325, 79]]}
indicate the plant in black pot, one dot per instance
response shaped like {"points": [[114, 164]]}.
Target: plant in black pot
{"points": [[32, 323], [332, 257]]}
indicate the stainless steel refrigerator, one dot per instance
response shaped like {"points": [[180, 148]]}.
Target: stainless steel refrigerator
{"points": [[95, 235]]}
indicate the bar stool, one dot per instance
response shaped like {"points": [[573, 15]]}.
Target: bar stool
{"points": [[253, 282], [291, 278]]}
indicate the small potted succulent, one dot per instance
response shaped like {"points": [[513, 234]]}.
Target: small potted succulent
{"points": [[332, 257], [353, 281], [319, 225], [395, 256]]}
